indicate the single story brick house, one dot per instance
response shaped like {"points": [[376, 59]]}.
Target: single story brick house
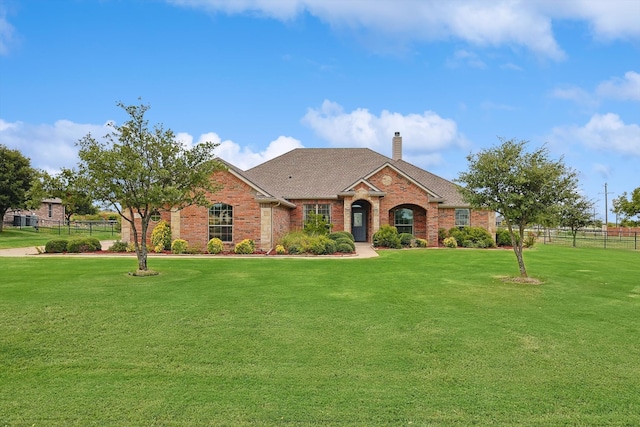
{"points": [[357, 189], [50, 212]]}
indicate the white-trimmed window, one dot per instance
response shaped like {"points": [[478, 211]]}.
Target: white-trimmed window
{"points": [[318, 209], [463, 218], [403, 220], [221, 222]]}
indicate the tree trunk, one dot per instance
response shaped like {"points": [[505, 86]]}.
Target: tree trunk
{"points": [[518, 251], [517, 247], [142, 257]]}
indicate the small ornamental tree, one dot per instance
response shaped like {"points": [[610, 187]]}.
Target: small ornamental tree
{"points": [[575, 214], [317, 225], [518, 185], [138, 170]]}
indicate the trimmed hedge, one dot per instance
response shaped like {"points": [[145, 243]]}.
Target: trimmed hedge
{"points": [[56, 246], [472, 237], [247, 246], [215, 246], [83, 244], [179, 246], [387, 236], [341, 234], [118, 246]]}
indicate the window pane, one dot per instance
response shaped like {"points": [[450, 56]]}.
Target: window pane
{"points": [[221, 222], [325, 211], [404, 220], [462, 218]]}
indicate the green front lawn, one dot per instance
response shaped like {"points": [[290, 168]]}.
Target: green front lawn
{"points": [[414, 337], [27, 237]]}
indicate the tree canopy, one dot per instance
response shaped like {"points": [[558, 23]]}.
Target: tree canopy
{"points": [[18, 182], [628, 206], [518, 185], [138, 170], [69, 188]]}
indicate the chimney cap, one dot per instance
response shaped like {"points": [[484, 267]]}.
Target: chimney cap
{"points": [[397, 134]]}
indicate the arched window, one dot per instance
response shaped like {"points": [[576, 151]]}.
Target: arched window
{"points": [[403, 220], [221, 222]]}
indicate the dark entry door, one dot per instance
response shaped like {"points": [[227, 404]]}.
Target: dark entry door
{"points": [[359, 223]]}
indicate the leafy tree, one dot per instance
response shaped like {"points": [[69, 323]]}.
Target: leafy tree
{"points": [[19, 186], [138, 170], [69, 188], [628, 206], [518, 185], [575, 213]]}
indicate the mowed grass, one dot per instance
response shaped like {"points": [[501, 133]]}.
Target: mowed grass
{"points": [[28, 237], [414, 337]]}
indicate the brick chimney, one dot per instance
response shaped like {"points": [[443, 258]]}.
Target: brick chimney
{"points": [[397, 147]]}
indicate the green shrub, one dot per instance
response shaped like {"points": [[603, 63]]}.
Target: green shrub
{"points": [[247, 246], [317, 225], [406, 239], [131, 247], [472, 237], [161, 237], [442, 234], [387, 236], [118, 246], [421, 243], [341, 234], [529, 239], [450, 242], [83, 244], [344, 248], [280, 250], [318, 245], [179, 246], [295, 249], [56, 246], [299, 239], [503, 237], [347, 241], [215, 246]]}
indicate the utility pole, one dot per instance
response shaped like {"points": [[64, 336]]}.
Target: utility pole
{"points": [[606, 206]]}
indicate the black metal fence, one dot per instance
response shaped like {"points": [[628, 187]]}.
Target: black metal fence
{"points": [[591, 238], [66, 227]]}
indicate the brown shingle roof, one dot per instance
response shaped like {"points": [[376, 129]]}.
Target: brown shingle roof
{"points": [[322, 173]]}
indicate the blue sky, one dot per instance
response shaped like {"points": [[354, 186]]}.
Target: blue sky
{"points": [[265, 76]]}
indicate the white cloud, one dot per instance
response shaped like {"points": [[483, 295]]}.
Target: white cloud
{"points": [[604, 171], [575, 94], [627, 88], [50, 147], [423, 134], [603, 132], [244, 157], [464, 57], [6, 33], [486, 23]]}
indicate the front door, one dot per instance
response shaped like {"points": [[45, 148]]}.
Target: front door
{"points": [[359, 222]]}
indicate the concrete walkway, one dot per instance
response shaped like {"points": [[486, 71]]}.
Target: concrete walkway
{"points": [[363, 250]]}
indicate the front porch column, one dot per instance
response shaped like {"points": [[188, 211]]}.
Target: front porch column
{"points": [[175, 223], [375, 207], [347, 214], [266, 222]]}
